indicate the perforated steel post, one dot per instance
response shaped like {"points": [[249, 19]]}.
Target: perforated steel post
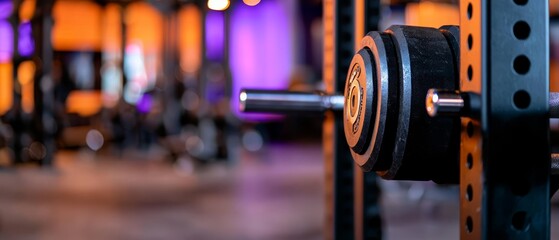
{"points": [[338, 51], [505, 158]]}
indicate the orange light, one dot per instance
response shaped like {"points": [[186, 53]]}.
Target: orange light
{"points": [[26, 10], [218, 5], [84, 102], [6, 87], [554, 75], [25, 72], [77, 26], [111, 32], [144, 25], [144, 31], [25, 76], [251, 2], [421, 14], [190, 38], [554, 7]]}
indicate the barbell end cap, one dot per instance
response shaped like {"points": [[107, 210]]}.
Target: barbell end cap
{"points": [[448, 103], [431, 102], [242, 100]]}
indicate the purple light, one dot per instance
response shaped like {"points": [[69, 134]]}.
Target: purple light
{"points": [[26, 45], [6, 7], [261, 51], [215, 33], [6, 41], [145, 103]]}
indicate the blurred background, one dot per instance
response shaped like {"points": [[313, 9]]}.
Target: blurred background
{"points": [[119, 120]]}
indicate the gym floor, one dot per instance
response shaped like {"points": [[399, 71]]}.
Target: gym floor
{"points": [[276, 193]]}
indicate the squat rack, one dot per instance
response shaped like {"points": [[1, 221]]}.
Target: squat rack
{"points": [[505, 153]]}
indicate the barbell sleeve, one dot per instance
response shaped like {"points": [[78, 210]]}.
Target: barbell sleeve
{"points": [[288, 102]]}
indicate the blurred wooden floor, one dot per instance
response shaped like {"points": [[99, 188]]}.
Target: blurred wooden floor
{"points": [[274, 194]]}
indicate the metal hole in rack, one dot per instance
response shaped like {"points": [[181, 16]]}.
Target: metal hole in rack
{"points": [[521, 99], [469, 193], [521, 2], [469, 224], [521, 30], [521, 64]]}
